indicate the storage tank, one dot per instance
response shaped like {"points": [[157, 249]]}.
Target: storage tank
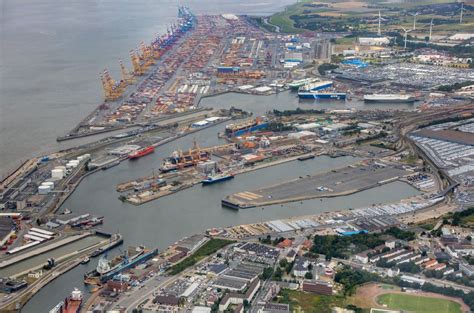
{"points": [[72, 164], [48, 183], [57, 173], [43, 190]]}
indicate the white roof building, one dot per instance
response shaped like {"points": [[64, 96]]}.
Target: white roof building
{"points": [[377, 41], [462, 36]]}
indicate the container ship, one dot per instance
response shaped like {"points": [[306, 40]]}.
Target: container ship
{"points": [[323, 95], [71, 304], [108, 269], [216, 178], [296, 84], [142, 152], [315, 86], [389, 98]]}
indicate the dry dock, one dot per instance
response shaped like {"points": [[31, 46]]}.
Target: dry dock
{"points": [[340, 182]]}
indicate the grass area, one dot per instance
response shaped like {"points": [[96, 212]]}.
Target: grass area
{"points": [[309, 302], [284, 22], [338, 15], [210, 247], [418, 304], [468, 220], [427, 226]]}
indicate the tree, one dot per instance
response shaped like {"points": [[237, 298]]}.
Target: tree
{"points": [[283, 263], [267, 273], [278, 273], [308, 275]]}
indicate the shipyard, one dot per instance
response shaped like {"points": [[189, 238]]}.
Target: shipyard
{"points": [[233, 163]]}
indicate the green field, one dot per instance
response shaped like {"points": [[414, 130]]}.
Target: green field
{"points": [[418, 304], [210, 247], [308, 302]]}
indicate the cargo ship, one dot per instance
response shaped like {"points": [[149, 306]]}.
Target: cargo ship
{"points": [[115, 240], [103, 163], [315, 86], [250, 125], [142, 152], [179, 160], [306, 157], [389, 98], [296, 84], [108, 269], [90, 222], [323, 95], [216, 178], [71, 304]]}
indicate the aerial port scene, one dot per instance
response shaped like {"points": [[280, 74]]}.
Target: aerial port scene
{"points": [[233, 156]]}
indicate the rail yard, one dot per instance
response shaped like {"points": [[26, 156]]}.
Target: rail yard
{"points": [[429, 146]]}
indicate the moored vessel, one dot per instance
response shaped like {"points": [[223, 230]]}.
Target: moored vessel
{"points": [[389, 98], [294, 85], [71, 304], [216, 178], [141, 152], [316, 86], [107, 269], [328, 95]]}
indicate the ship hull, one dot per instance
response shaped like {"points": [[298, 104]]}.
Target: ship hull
{"points": [[411, 100], [322, 96], [206, 182], [141, 153], [316, 87]]}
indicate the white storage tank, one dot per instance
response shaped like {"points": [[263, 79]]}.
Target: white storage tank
{"points": [[48, 183], [72, 164], [57, 173], [43, 189]]}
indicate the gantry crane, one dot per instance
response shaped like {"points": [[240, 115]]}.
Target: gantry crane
{"points": [[112, 90], [127, 77], [146, 55], [137, 67]]}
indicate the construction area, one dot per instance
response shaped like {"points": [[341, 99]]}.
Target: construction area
{"points": [[339, 182]]}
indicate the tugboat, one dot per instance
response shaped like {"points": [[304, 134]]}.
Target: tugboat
{"points": [[85, 260], [71, 304]]}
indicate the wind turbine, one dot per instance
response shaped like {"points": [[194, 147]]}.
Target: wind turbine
{"points": [[406, 33], [414, 19], [379, 31], [460, 12], [380, 19], [431, 29]]}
